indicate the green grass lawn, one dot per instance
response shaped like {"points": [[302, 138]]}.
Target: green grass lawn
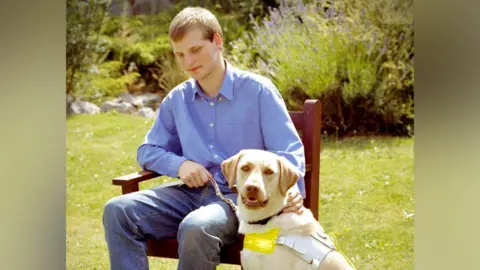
{"points": [[366, 192]]}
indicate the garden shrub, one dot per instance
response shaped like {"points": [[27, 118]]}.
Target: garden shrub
{"points": [[135, 51], [349, 56]]}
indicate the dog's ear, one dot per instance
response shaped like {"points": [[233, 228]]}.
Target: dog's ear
{"points": [[229, 168], [288, 175]]}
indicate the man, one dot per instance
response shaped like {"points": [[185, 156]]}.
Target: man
{"points": [[201, 122]]}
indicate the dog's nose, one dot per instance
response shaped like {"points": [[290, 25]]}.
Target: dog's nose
{"points": [[252, 189], [252, 192]]}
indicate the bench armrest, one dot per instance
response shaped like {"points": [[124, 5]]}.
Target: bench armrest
{"points": [[130, 182], [134, 178]]}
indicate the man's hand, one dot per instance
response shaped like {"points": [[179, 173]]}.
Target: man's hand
{"points": [[193, 174], [294, 203]]}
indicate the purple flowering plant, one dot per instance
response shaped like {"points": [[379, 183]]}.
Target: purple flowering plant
{"points": [[351, 45]]}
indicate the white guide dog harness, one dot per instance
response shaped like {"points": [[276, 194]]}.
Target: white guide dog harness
{"points": [[312, 248]]}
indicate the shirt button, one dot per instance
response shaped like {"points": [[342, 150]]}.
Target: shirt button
{"points": [[220, 98], [211, 104], [215, 156], [211, 124], [211, 145]]}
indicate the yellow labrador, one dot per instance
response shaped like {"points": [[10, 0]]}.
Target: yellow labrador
{"points": [[263, 180]]}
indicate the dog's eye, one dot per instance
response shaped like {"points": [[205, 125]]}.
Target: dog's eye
{"points": [[245, 168], [268, 172]]}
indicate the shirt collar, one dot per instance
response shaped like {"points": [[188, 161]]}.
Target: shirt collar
{"points": [[226, 89]]}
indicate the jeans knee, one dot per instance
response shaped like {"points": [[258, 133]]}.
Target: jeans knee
{"points": [[114, 209], [195, 228], [189, 232]]}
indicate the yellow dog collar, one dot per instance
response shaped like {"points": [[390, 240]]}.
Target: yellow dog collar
{"points": [[261, 242]]}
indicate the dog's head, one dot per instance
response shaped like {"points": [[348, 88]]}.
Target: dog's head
{"points": [[262, 177]]}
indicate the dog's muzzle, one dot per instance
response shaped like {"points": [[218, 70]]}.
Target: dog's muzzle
{"points": [[251, 197], [253, 202]]}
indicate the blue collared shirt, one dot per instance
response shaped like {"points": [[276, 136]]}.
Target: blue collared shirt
{"points": [[249, 112]]}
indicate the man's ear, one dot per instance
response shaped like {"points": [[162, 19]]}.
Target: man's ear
{"points": [[229, 168], [288, 175], [217, 39]]}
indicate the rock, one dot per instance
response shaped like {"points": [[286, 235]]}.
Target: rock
{"points": [[83, 107], [146, 112], [150, 100], [69, 103], [129, 98], [121, 107]]}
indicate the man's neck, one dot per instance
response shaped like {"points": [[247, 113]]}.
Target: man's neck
{"points": [[211, 85]]}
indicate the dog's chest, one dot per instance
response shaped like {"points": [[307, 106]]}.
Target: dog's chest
{"points": [[279, 259], [290, 252]]}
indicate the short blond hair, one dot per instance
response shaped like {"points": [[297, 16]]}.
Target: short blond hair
{"points": [[191, 17]]}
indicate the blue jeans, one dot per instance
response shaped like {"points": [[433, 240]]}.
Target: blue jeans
{"points": [[200, 220]]}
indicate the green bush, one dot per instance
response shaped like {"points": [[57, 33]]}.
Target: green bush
{"points": [[313, 54], [124, 46], [347, 55], [84, 21], [142, 42], [103, 81]]}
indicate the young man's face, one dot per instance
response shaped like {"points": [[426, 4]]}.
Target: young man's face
{"points": [[197, 55]]}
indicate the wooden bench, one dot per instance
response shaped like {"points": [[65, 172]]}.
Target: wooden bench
{"points": [[308, 123]]}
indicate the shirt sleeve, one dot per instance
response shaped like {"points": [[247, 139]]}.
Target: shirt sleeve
{"points": [[279, 133], [161, 150]]}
